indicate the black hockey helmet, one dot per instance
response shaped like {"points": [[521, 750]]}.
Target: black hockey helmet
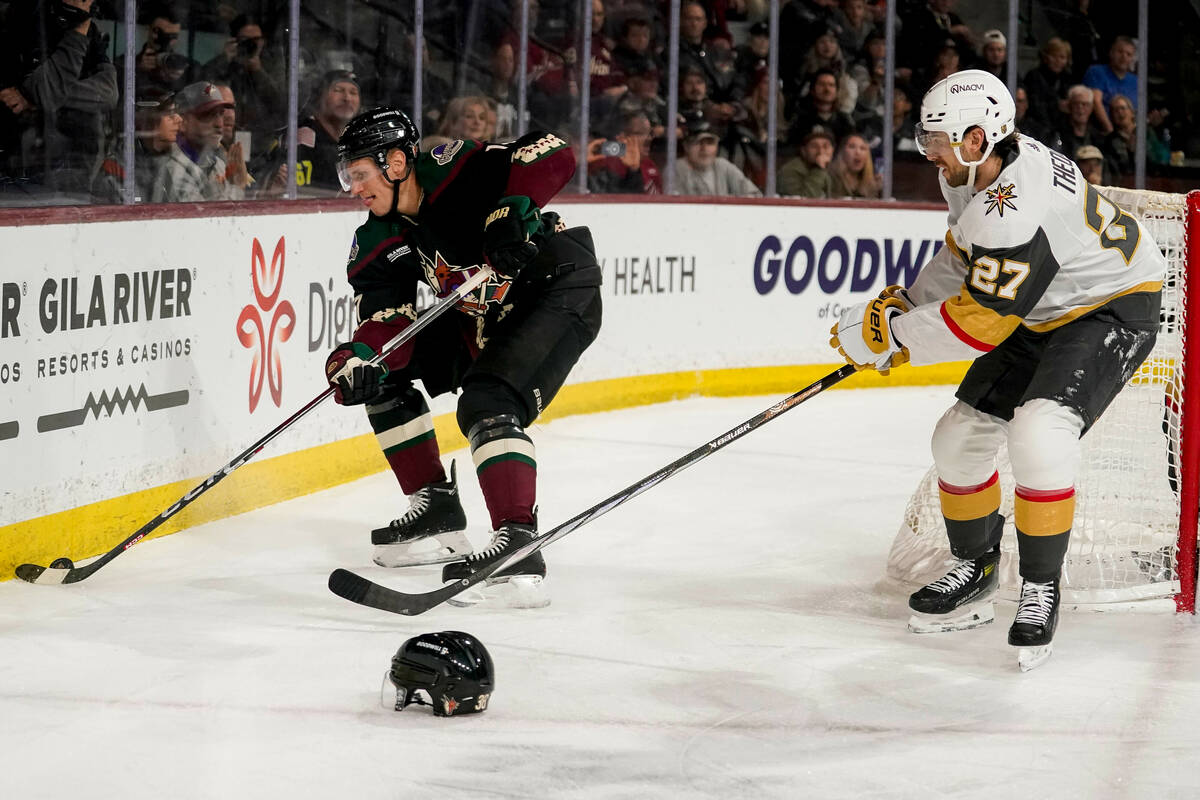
{"points": [[372, 134], [451, 668]]}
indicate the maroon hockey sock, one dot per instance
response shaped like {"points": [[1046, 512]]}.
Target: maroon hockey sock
{"points": [[417, 466], [408, 441], [509, 489]]}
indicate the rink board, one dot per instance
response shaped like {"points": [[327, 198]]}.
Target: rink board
{"points": [[139, 356]]}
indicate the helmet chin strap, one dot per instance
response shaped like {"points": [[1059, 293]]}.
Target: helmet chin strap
{"points": [[396, 184], [973, 165]]}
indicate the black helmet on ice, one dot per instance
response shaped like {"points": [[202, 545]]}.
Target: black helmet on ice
{"points": [[451, 668], [371, 135]]}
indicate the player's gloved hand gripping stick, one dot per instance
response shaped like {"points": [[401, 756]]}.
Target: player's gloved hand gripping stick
{"points": [[62, 570]]}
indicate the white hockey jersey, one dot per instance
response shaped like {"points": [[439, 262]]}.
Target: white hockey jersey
{"points": [[1038, 247]]}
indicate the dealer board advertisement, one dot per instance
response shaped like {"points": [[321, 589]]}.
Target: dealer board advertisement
{"points": [[137, 353]]}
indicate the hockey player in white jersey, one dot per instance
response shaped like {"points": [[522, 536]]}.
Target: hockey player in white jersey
{"points": [[1053, 291]]}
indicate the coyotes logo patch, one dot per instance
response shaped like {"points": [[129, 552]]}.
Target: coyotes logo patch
{"points": [[445, 277], [1001, 198]]}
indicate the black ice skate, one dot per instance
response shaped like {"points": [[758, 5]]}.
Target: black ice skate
{"points": [[431, 532], [960, 599], [518, 586], [1033, 628]]}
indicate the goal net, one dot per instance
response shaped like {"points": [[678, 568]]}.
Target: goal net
{"points": [[1130, 541]]}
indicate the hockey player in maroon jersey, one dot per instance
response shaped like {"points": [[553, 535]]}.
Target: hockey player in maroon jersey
{"points": [[438, 218], [1053, 291]]}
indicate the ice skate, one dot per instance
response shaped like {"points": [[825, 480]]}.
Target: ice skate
{"points": [[430, 532], [519, 586], [959, 600], [1032, 630]]}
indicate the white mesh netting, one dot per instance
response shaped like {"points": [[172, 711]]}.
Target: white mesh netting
{"points": [[1127, 511]]}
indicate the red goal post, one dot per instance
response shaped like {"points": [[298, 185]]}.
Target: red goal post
{"points": [[1138, 493]]}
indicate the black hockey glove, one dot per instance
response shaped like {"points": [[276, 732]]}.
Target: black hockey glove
{"points": [[507, 235], [353, 379]]}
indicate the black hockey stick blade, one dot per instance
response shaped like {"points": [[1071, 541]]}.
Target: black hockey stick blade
{"points": [[358, 589], [55, 573], [62, 570]]}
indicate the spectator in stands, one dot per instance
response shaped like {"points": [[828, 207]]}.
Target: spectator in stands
{"points": [[703, 172], [501, 90], [800, 22], [1121, 144], [819, 108], [156, 127], [993, 56], [926, 29], [1111, 79], [869, 63], [158, 63], [714, 63], [466, 118], [1074, 25], [826, 54], [694, 102], [871, 106], [946, 60], [193, 170], [553, 83], [852, 171], [606, 78], [719, 44], [157, 122], [631, 172], [1091, 164], [57, 92], [232, 151], [904, 123], [855, 25], [1047, 84], [747, 139], [338, 101], [642, 79], [807, 174], [240, 65], [1077, 128], [1029, 126], [634, 45], [751, 57]]}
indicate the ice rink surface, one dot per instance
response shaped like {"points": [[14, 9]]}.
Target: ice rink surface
{"points": [[728, 634]]}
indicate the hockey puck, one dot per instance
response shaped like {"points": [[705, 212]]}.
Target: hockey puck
{"points": [[63, 563]]}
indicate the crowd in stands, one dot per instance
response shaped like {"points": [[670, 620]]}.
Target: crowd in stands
{"points": [[212, 128]]}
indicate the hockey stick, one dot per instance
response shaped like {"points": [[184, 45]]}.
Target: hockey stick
{"points": [[358, 589], [63, 570]]}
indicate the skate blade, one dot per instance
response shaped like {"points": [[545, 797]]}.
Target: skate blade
{"points": [[1032, 657], [437, 549], [962, 619], [518, 591]]}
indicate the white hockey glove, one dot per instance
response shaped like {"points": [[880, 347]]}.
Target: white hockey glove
{"points": [[864, 335]]}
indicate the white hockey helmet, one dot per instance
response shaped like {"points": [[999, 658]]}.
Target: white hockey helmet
{"points": [[968, 99]]}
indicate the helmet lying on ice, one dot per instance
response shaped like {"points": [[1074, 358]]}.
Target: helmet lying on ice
{"points": [[450, 671]]}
